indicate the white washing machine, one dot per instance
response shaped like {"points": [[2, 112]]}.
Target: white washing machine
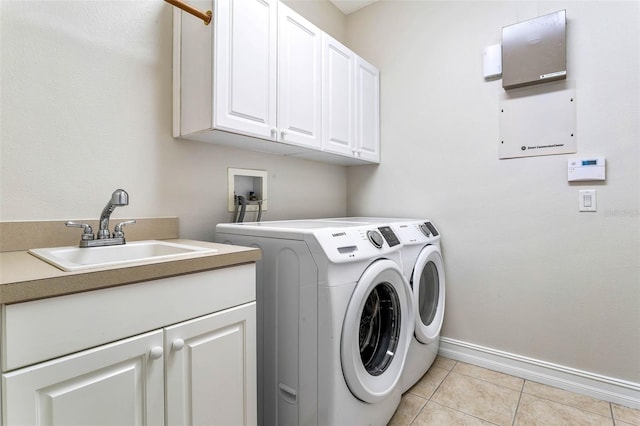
{"points": [[335, 320], [423, 266]]}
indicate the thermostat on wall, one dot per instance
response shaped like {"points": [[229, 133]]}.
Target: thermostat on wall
{"points": [[581, 169]]}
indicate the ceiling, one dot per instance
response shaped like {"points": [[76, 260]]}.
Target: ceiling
{"points": [[348, 6]]}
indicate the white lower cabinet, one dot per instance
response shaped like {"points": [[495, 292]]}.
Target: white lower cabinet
{"points": [[115, 384], [210, 368], [199, 371]]}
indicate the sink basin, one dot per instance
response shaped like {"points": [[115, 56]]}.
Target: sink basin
{"points": [[76, 258]]}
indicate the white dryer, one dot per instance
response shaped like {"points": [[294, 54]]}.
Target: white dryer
{"points": [[335, 318], [423, 267]]}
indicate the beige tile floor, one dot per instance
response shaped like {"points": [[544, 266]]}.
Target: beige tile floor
{"points": [[456, 393]]}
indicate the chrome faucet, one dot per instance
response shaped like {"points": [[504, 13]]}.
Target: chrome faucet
{"points": [[118, 198]]}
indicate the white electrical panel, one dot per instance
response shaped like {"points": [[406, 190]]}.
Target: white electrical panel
{"points": [[538, 120], [586, 169]]}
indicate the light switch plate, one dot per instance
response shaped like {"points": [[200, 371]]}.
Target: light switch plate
{"points": [[587, 200]]}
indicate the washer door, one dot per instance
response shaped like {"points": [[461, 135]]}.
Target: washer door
{"points": [[377, 331], [427, 282]]}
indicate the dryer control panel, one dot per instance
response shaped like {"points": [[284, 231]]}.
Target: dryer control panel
{"points": [[418, 232]]}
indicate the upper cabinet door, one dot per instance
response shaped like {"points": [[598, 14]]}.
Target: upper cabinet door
{"points": [[338, 100], [367, 111], [299, 79], [245, 66]]}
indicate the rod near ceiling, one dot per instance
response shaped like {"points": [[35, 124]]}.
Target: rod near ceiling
{"points": [[205, 16]]}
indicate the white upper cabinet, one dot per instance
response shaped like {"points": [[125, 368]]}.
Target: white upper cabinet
{"points": [[263, 78], [351, 103], [338, 109], [299, 79], [367, 111], [225, 73], [245, 66]]}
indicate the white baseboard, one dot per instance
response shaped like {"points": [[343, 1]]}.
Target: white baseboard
{"points": [[581, 382]]}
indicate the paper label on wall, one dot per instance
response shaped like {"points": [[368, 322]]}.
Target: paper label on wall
{"points": [[538, 120]]}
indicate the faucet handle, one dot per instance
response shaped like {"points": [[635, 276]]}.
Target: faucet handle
{"points": [[87, 230], [117, 231]]}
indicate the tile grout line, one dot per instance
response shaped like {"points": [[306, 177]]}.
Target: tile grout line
{"points": [[465, 413], [515, 413], [488, 381], [426, 401], [613, 417], [574, 406], [433, 393], [449, 371]]}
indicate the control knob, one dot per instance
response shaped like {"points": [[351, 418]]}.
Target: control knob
{"points": [[425, 230], [375, 238]]}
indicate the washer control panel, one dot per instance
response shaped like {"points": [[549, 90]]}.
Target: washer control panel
{"points": [[389, 236], [382, 234], [352, 244]]}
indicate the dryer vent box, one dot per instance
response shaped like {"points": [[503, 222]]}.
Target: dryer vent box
{"points": [[535, 51]]}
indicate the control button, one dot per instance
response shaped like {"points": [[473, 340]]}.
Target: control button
{"points": [[425, 230], [375, 238]]}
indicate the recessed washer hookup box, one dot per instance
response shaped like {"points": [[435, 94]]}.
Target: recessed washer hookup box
{"points": [[535, 51]]}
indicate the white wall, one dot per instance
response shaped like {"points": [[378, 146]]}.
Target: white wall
{"points": [[526, 272], [86, 108]]}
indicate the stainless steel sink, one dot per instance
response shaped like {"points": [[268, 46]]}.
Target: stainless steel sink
{"points": [[76, 258]]}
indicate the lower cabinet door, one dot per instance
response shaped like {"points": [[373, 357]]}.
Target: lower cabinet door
{"points": [[211, 369], [121, 383]]}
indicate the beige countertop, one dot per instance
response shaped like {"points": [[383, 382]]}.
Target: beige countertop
{"points": [[24, 277]]}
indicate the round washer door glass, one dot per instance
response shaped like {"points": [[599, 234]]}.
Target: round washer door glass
{"points": [[376, 332], [428, 294], [380, 323]]}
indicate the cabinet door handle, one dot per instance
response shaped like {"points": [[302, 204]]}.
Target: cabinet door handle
{"points": [[283, 133], [274, 132], [177, 345], [156, 352]]}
